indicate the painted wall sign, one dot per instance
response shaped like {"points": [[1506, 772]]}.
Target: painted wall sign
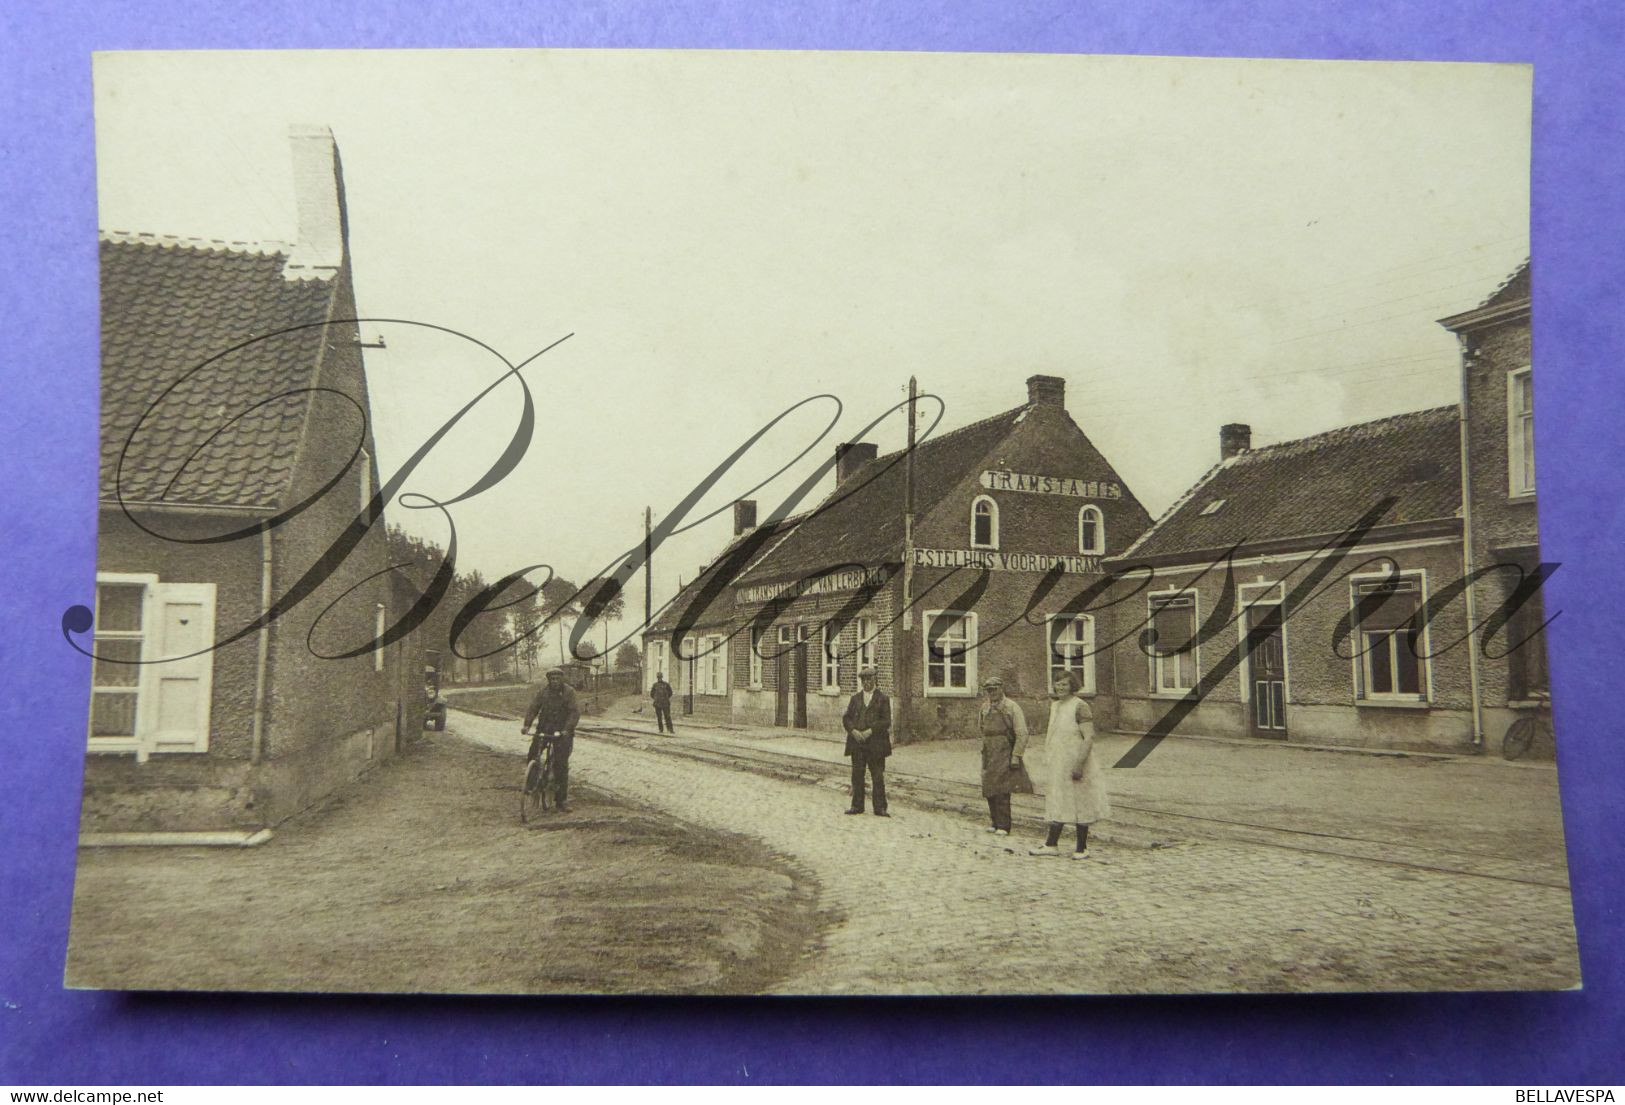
{"points": [[1003, 561], [848, 580], [999, 480]]}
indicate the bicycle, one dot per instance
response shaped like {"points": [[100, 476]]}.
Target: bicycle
{"points": [[1536, 723], [540, 784]]}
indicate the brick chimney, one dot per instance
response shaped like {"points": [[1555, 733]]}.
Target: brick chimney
{"points": [[318, 188], [744, 515], [1046, 391], [1234, 439], [850, 456]]}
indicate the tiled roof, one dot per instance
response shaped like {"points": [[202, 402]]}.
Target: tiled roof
{"points": [[762, 538], [861, 522], [168, 306], [1318, 486], [1514, 288]]}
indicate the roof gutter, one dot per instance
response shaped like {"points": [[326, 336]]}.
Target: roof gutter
{"points": [[1475, 691], [256, 745]]}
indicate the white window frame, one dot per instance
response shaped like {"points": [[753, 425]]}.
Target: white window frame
{"points": [[755, 676], [1157, 663], [148, 737], [691, 668], [713, 666], [1098, 547], [1084, 665], [1518, 456], [866, 642], [968, 657], [1361, 662], [993, 522], [366, 477], [149, 585], [380, 613], [657, 663], [829, 667]]}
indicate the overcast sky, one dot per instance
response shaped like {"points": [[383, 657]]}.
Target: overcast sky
{"points": [[1187, 242]]}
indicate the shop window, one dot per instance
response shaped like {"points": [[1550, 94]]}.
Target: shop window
{"points": [[984, 523], [830, 640], [1390, 634], [1173, 653], [1521, 432], [1071, 649], [1091, 531], [950, 652]]}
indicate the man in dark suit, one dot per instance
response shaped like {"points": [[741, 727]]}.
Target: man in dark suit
{"points": [[868, 740], [660, 693]]}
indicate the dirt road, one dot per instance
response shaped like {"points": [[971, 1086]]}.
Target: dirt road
{"points": [[420, 878]]}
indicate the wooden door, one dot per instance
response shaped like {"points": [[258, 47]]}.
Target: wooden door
{"points": [[1267, 663], [798, 674]]}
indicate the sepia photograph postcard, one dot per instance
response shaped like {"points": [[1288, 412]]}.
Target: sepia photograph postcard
{"points": [[689, 522]]}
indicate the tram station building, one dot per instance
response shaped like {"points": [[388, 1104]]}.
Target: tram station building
{"points": [[812, 600]]}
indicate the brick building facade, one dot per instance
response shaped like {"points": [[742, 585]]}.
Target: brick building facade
{"points": [[1499, 480], [1013, 517], [1284, 632], [235, 452]]}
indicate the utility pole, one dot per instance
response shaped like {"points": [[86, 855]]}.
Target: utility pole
{"points": [[905, 659], [648, 583], [648, 556]]}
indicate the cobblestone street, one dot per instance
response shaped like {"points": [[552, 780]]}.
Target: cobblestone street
{"points": [[925, 902]]}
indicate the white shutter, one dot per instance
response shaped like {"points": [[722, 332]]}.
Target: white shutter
{"points": [[177, 719]]}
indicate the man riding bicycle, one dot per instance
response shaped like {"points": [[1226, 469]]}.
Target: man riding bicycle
{"points": [[555, 712]]}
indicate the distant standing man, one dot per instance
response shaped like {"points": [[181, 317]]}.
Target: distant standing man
{"points": [[555, 712], [1004, 741], [661, 693], [868, 740]]}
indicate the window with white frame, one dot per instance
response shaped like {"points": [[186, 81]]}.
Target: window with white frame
{"points": [[950, 652], [657, 662], [152, 677], [688, 668], [866, 643], [115, 691], [366, 477], [830, 639], [1173, 653], [713, 667], [1091, 531], [1071, 649], [984, 523], [756, 657], [1390, 634], [1521, 432], [378, 615]]}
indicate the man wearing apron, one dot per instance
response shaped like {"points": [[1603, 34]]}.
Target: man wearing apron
{"points": [[1004, 740]]}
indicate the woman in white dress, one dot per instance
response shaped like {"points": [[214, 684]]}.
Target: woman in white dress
{"points": [[1075, 784]]}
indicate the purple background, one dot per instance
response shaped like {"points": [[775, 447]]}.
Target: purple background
{"points": [[49, 354]]}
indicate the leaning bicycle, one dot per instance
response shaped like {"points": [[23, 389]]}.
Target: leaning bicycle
{"points": [[537, 793], [1534, 725]]}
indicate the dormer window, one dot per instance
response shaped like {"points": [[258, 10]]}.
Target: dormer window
{"points": [[1091, 531], [984, 523]]}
